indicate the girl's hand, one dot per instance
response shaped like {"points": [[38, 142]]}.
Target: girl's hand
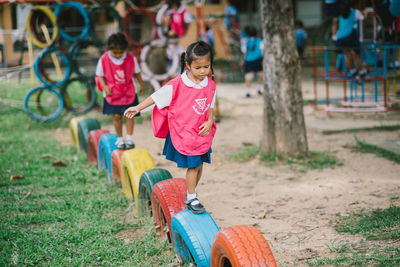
{"points": [[131, 112], [205, 128], [107, 89]]}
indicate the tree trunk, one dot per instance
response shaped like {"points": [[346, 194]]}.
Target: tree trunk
{"points": [[283, 129]]}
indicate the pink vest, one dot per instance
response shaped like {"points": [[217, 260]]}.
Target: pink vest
{"points": [[187, 111], [119, 79], [177, 22]]}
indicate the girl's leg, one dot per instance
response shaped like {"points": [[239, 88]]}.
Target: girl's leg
{"points": [[260, 82], [130, 124], [118, 124], [192, 178], [199, 173], [248, 77], [118, 128]]}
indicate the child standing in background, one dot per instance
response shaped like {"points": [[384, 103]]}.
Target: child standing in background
{"points": [[177, 19], [253, 59], [115, 71], [186, 106], [301, 36]]}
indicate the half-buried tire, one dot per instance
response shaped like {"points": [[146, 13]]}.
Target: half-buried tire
{"points": [[147, 181], [193, 236], [106, 147], [241, 245], [167, 199], [84, 127], [116, 165], [93, 144], [73, 126]]}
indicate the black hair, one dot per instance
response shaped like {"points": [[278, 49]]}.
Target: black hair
{"points": [[250, 31], [346, 8], [194, 50], [299, 24], [117, 41], [173, 2]]}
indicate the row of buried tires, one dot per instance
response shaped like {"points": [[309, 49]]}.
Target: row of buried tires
{"points": [[196, 237], [66, 65]]}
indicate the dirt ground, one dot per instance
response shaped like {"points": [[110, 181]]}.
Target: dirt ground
{"points": [[295, 211]]}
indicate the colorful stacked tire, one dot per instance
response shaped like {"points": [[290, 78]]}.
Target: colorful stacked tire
{"points": [[241, 245], [32, 26], [93, 144], [73, 126], [147, 181], [134, 163], [116, 165], [84, 127], [193, 236], [106, 147], [167, 199]]}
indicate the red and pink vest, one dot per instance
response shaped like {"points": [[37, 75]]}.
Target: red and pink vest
{"points": [[188, 110], [119, 79], [178, 22]]}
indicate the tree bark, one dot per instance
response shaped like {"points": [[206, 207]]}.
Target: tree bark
{"points": [[284, 130]]}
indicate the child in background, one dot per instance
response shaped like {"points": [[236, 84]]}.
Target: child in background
{"points": [[232, 14], [253, 59], [114, 76], [301, 36], [347, 38], [188, 102], [177, 18]]}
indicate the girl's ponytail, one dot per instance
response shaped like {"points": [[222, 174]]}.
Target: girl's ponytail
{"points": [[183, 63]]}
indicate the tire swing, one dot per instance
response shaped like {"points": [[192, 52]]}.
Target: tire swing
{"points": [[193, 236], [73, 127], [106, 147], [135, 31], [147, 181], [112, 17], [35, 19], [43, 103], [84, 57], [241, 245], [170, 53], [93, 144], [133, 163], [79, 95], [63, 19], [116, 165], [159, 20], [167, 199], [84, 127], [52, 54]]}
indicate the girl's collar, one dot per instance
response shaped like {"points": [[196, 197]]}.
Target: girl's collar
{"points": [[117, 59], [189, 83]]}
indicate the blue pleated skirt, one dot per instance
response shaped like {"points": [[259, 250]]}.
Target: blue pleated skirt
{"points": [[181, 160]]}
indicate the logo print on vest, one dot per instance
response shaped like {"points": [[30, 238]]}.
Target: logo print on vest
{"points": [[119, 76], [201, 107]]}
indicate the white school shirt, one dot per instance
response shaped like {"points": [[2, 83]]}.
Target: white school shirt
{"points": [[163, 96]]}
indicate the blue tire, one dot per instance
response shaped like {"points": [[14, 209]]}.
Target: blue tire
{"points": [[86, 29], [106, 147], [38, 68], [38, 111], [193, 236]]}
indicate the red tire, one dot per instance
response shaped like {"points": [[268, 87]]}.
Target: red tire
{"points": [[93, 144], [116, 165], [167, 199], [241, 245]]}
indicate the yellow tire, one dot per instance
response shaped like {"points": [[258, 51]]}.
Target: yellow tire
{"points": [[73, 126], [49, 13], [133, 163]]}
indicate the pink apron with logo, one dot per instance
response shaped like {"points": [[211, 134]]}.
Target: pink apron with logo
{"points": [[119, 79], [188, 110], [177, 22]]}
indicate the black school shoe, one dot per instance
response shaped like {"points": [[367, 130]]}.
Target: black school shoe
{"points": [[195, 208]]}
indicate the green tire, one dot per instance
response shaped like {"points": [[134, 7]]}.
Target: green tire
{"points": [[84, 127]]}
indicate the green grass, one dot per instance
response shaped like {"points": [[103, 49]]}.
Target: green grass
{"points": [[313, 160], [58, 216], [382, 225], [368, 148]]}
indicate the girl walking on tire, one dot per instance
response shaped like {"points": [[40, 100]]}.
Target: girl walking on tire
{"points": [[183, 114], [114, 77]]}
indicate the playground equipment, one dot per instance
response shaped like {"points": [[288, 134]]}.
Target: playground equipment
{"points": [[93, 145], [357, 100], [84, 127], [196, 237]]}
